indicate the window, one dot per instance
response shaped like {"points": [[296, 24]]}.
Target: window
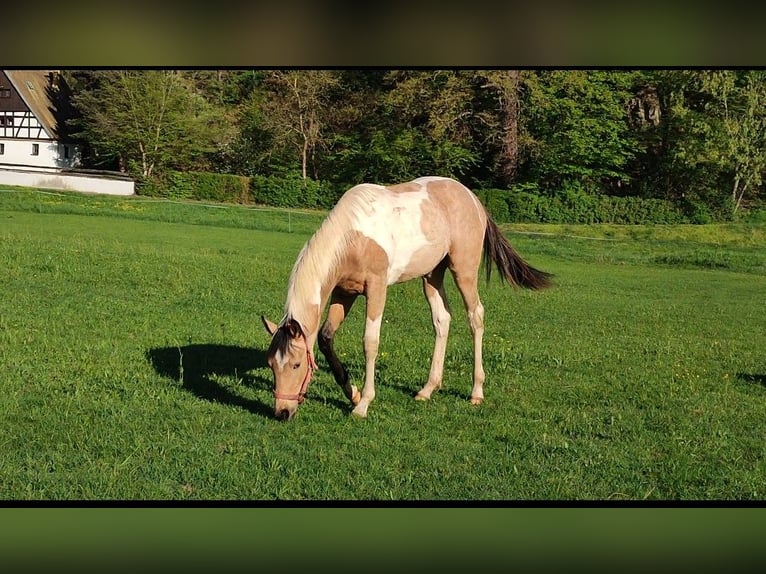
{"points": [[35, 149], [2, 148], [5, 92], [6, 120], [66, 152]]}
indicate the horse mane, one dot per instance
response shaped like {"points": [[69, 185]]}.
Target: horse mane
{"points": [[325, 249], [280, 342]]}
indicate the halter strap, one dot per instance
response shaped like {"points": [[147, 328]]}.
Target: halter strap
{"points": [[306, 379]]}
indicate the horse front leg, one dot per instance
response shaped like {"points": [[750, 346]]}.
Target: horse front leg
{"points": [[340, 305], [376, 301]]}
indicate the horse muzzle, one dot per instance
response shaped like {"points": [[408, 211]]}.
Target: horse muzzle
{"points": [[284, 410]]}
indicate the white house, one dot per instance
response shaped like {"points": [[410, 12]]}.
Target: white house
{"points": [[35, 150], [32, 121]]}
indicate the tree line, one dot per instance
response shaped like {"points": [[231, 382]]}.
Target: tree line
{"points": [[695, 136]]}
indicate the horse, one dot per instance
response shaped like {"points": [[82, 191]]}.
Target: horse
{"points": [[377, 236]]}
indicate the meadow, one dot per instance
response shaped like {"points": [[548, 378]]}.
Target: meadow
{"points": [[132, 365]]}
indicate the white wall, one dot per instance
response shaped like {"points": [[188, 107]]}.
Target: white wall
{"points": [[67, 182], [51, 154]]}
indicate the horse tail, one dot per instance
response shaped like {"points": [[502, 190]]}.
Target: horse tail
{"points": [[511, 266]]}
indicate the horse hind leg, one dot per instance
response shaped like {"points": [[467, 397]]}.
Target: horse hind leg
{"points": [[433, 289], [468, 285], [340, 305]]}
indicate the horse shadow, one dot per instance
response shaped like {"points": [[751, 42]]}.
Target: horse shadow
{"points": [[752, 378], [196, 365]]}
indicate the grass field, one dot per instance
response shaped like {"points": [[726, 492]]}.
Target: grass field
{"points": [[132, 365]]}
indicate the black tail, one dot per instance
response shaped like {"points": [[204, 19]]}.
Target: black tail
{"points": [[511, 266]]}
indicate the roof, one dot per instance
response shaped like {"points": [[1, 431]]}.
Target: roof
{"points": [[39, 94]]}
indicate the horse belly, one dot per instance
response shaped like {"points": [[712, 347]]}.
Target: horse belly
{"points": [[416, 263]]}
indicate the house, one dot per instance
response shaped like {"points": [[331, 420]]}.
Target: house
{"points": [[36, 150], [33, 113]]}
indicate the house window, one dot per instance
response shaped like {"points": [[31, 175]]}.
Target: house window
{"points": [[6, 120], [66, 152], [2, 148], [5, 92], [35, 149]]}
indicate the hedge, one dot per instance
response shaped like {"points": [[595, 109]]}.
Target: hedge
{"points": [[294, 191], [203, 186], [521, 204], [290, 191], [518, 206]]}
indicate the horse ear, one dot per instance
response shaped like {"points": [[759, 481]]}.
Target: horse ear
{"points": [[270, 327]]}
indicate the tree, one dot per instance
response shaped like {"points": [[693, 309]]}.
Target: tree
{"points": [[578, 126], [152, 119], [433, 117], [738, 102], [715, 134], [502, 119], [294, 109]]}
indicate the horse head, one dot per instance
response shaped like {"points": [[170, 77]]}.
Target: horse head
{"points": [[292, 364]]}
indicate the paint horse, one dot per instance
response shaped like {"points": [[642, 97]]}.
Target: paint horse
{"points": [[374, 237]]}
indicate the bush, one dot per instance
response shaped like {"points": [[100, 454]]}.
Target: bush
{"points": [[522, 203], [203, 186], [294, 191], [577, 207]]}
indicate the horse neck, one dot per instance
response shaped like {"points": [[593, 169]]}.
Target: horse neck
{"points": [[315, 272], [308, 291]]}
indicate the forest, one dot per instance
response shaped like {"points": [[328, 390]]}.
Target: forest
{"points": [[690, 138]]}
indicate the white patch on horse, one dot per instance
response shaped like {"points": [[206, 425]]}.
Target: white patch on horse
{"points": [[426, 179], [393, 221], [280, 359]]}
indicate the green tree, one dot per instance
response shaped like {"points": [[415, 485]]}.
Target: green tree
{"points": [[294, 108], [578, 126], [152, 119], [738, 105], [714, 135], [432, 116]]}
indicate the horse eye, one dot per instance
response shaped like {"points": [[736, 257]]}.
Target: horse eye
{"points": [[296, 365]]}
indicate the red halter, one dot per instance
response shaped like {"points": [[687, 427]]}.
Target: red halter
{"points": [[306, 380]]}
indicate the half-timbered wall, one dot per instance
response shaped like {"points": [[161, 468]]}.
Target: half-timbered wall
{"points": [[21, 125]]}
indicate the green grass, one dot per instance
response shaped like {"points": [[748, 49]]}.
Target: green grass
{"points": [[132, 366]]}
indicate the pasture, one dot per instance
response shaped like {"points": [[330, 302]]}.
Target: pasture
{"points": [[132, 366]]}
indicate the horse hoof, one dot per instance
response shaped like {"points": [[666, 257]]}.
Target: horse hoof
{"points": [[477, 400], [356, 396], [420, 397], [359, 414]]}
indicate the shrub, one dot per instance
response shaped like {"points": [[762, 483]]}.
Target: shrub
{"points": [[577, 207], [203, 186], [294, 191]]}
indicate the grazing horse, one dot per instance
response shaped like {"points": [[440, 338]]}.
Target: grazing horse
{"points": [[374, 237]]}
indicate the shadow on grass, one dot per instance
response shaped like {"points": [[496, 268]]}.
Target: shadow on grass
{"points": [[195, 366], [751, 378]]}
